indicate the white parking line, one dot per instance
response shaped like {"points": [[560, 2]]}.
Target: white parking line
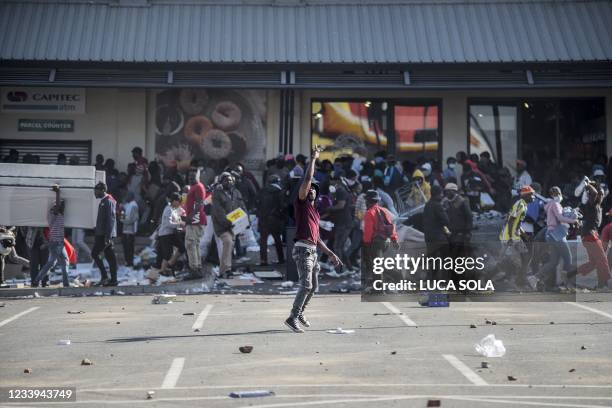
{"points": [[590, 309], [173, 373], [399, 314], [465, 370], [17, 316], [200, 321]]}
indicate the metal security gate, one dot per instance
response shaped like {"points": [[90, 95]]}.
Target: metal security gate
{"points": [[48, 150]]}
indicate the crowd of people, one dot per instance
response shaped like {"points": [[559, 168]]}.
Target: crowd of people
{"points": [[187, 213]]}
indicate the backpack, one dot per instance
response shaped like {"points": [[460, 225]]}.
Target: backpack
{"points": [[383, 230]]}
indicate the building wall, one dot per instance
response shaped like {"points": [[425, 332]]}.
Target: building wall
{"points": [[454, 109], [115, 122]]}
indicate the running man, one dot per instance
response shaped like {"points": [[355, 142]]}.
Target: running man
{"points": [[307, 241]]}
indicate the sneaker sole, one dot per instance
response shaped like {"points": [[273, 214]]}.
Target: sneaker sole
{"points": [[293, 329]]}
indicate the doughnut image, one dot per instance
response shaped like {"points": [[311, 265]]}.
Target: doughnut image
{"points": [[169, 120], [178, 157], [193, 101], [216, 145], [196, 128], [239, 145], [226, 116]]}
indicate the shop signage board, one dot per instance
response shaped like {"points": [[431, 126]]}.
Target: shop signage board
{"points": [[37, 100], [45, 125]]}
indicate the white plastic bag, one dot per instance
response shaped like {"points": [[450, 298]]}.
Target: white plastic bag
{"points": [[490, 347], [486, 201]]}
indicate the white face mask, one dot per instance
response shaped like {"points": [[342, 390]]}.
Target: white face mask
{"points": [[558, 199], [452, 166]]}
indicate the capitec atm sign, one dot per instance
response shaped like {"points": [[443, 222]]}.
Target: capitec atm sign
{"points": [[58, 100]]}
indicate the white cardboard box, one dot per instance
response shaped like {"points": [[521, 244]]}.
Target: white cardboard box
{"points": [[26, 196]]}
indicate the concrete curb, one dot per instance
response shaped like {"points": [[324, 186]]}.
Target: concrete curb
{"points": [[106, 291]]}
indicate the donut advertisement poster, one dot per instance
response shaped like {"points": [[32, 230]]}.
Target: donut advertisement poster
{"points": [[217, 126]]}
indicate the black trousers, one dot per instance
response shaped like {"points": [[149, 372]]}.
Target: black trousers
{"points": [[100, 251], [375, 249], [38, 257], [270, 226], [128, 249]]}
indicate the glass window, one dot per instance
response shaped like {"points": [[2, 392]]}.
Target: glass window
{"points": [[416, 131], [406, 130], [493, 129]]}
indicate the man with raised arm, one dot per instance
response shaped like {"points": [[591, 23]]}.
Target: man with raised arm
{"points": [[307, 241]]}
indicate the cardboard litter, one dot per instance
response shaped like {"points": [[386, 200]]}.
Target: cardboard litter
{"points": [[163, 299]]}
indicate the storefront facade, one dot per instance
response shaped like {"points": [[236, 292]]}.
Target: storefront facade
{"points": [[541, 93]]}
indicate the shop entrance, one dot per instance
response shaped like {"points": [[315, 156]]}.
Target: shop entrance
{"points": [[556, 137], [566, 134]]}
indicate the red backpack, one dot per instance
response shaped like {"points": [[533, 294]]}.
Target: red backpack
{"points": [[383, 230]]}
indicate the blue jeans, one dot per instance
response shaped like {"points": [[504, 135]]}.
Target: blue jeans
{"points": [[56, 256]]}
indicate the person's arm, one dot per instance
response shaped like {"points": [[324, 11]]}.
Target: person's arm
{"points": [[333, 257], [441, 214], [108, 218], [368, 228], [468, 214], [309, 173], [13, 257], [605, 237]]}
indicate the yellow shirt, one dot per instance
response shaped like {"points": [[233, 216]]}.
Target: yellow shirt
{"points": [[516, 215]]}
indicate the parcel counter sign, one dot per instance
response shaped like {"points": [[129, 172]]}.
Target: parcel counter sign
{"points": [[45, 125], [63, 100]]}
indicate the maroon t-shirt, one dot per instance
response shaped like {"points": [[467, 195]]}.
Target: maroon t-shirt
{"points": [[307, 220]]}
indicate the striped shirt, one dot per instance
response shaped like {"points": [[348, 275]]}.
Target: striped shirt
{"points": [[510, 232], [56, 227]]}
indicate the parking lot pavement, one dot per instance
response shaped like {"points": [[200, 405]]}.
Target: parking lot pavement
{"points": [[400, 354]]}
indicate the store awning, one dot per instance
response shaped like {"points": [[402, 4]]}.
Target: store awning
{"points": [[473, 77]]}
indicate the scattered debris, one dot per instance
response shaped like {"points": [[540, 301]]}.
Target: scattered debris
{"points": [[36, 295], [433, 403], [552, 322], [118, 323], [487, 321], [484, 364], [393, 353], [189, 314], [27, 371], [1, 304], [245, 349], [572, 370], [163, 299], [86, 361], [150, 394], [494, 323], [388, 314], [512, 328], [489, 346], [65, 342], [196, 330], [340, 330], [472, 326], [251, 394], [511, 378], [75, 312], [583, 348]]}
